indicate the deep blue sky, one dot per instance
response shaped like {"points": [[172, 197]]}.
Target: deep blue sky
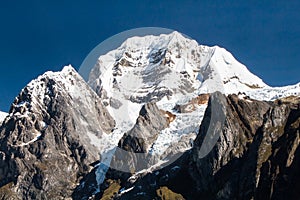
{"points": [[36, 36]]}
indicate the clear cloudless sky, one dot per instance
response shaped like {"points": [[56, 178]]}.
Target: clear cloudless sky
{"points": [[38, 36]]}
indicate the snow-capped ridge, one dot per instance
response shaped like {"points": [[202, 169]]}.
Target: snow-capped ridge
{"points": [[240, 71], [160, 42], [273, 93], [184, 55], [40, 92], [68, 88]]}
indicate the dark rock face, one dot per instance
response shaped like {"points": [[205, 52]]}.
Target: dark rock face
{"points": [[132, 153], [44, 149], [150, 122], [253, 136], [257, 156]]}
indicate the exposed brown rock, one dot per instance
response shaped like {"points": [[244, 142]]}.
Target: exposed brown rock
{"points": [[170, 117], [192, 104], [164, 193]]}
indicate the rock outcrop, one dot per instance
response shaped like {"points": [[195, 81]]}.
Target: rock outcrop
{"points": [[150, 122], [257, 151], [132, 154]]}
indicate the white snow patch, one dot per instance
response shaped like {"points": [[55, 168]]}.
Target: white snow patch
{"points": [[37, 136], [242, 96], [135, 176], [123, 190], [43, 124], [2, 116], [184, 124], [22, 103], [273, 93]]}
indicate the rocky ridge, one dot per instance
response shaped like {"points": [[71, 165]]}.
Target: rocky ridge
{"points": [[46, 148]]}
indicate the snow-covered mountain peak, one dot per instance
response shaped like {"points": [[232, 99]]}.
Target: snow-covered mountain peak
{"points": [[169, 61], [214, 67], [169, 69], [148, 68], [67, 69], [160, 42], [37, 94], [38, 90]]}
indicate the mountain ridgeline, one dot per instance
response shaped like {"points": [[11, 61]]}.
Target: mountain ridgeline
{"points": [[161, 117]]}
